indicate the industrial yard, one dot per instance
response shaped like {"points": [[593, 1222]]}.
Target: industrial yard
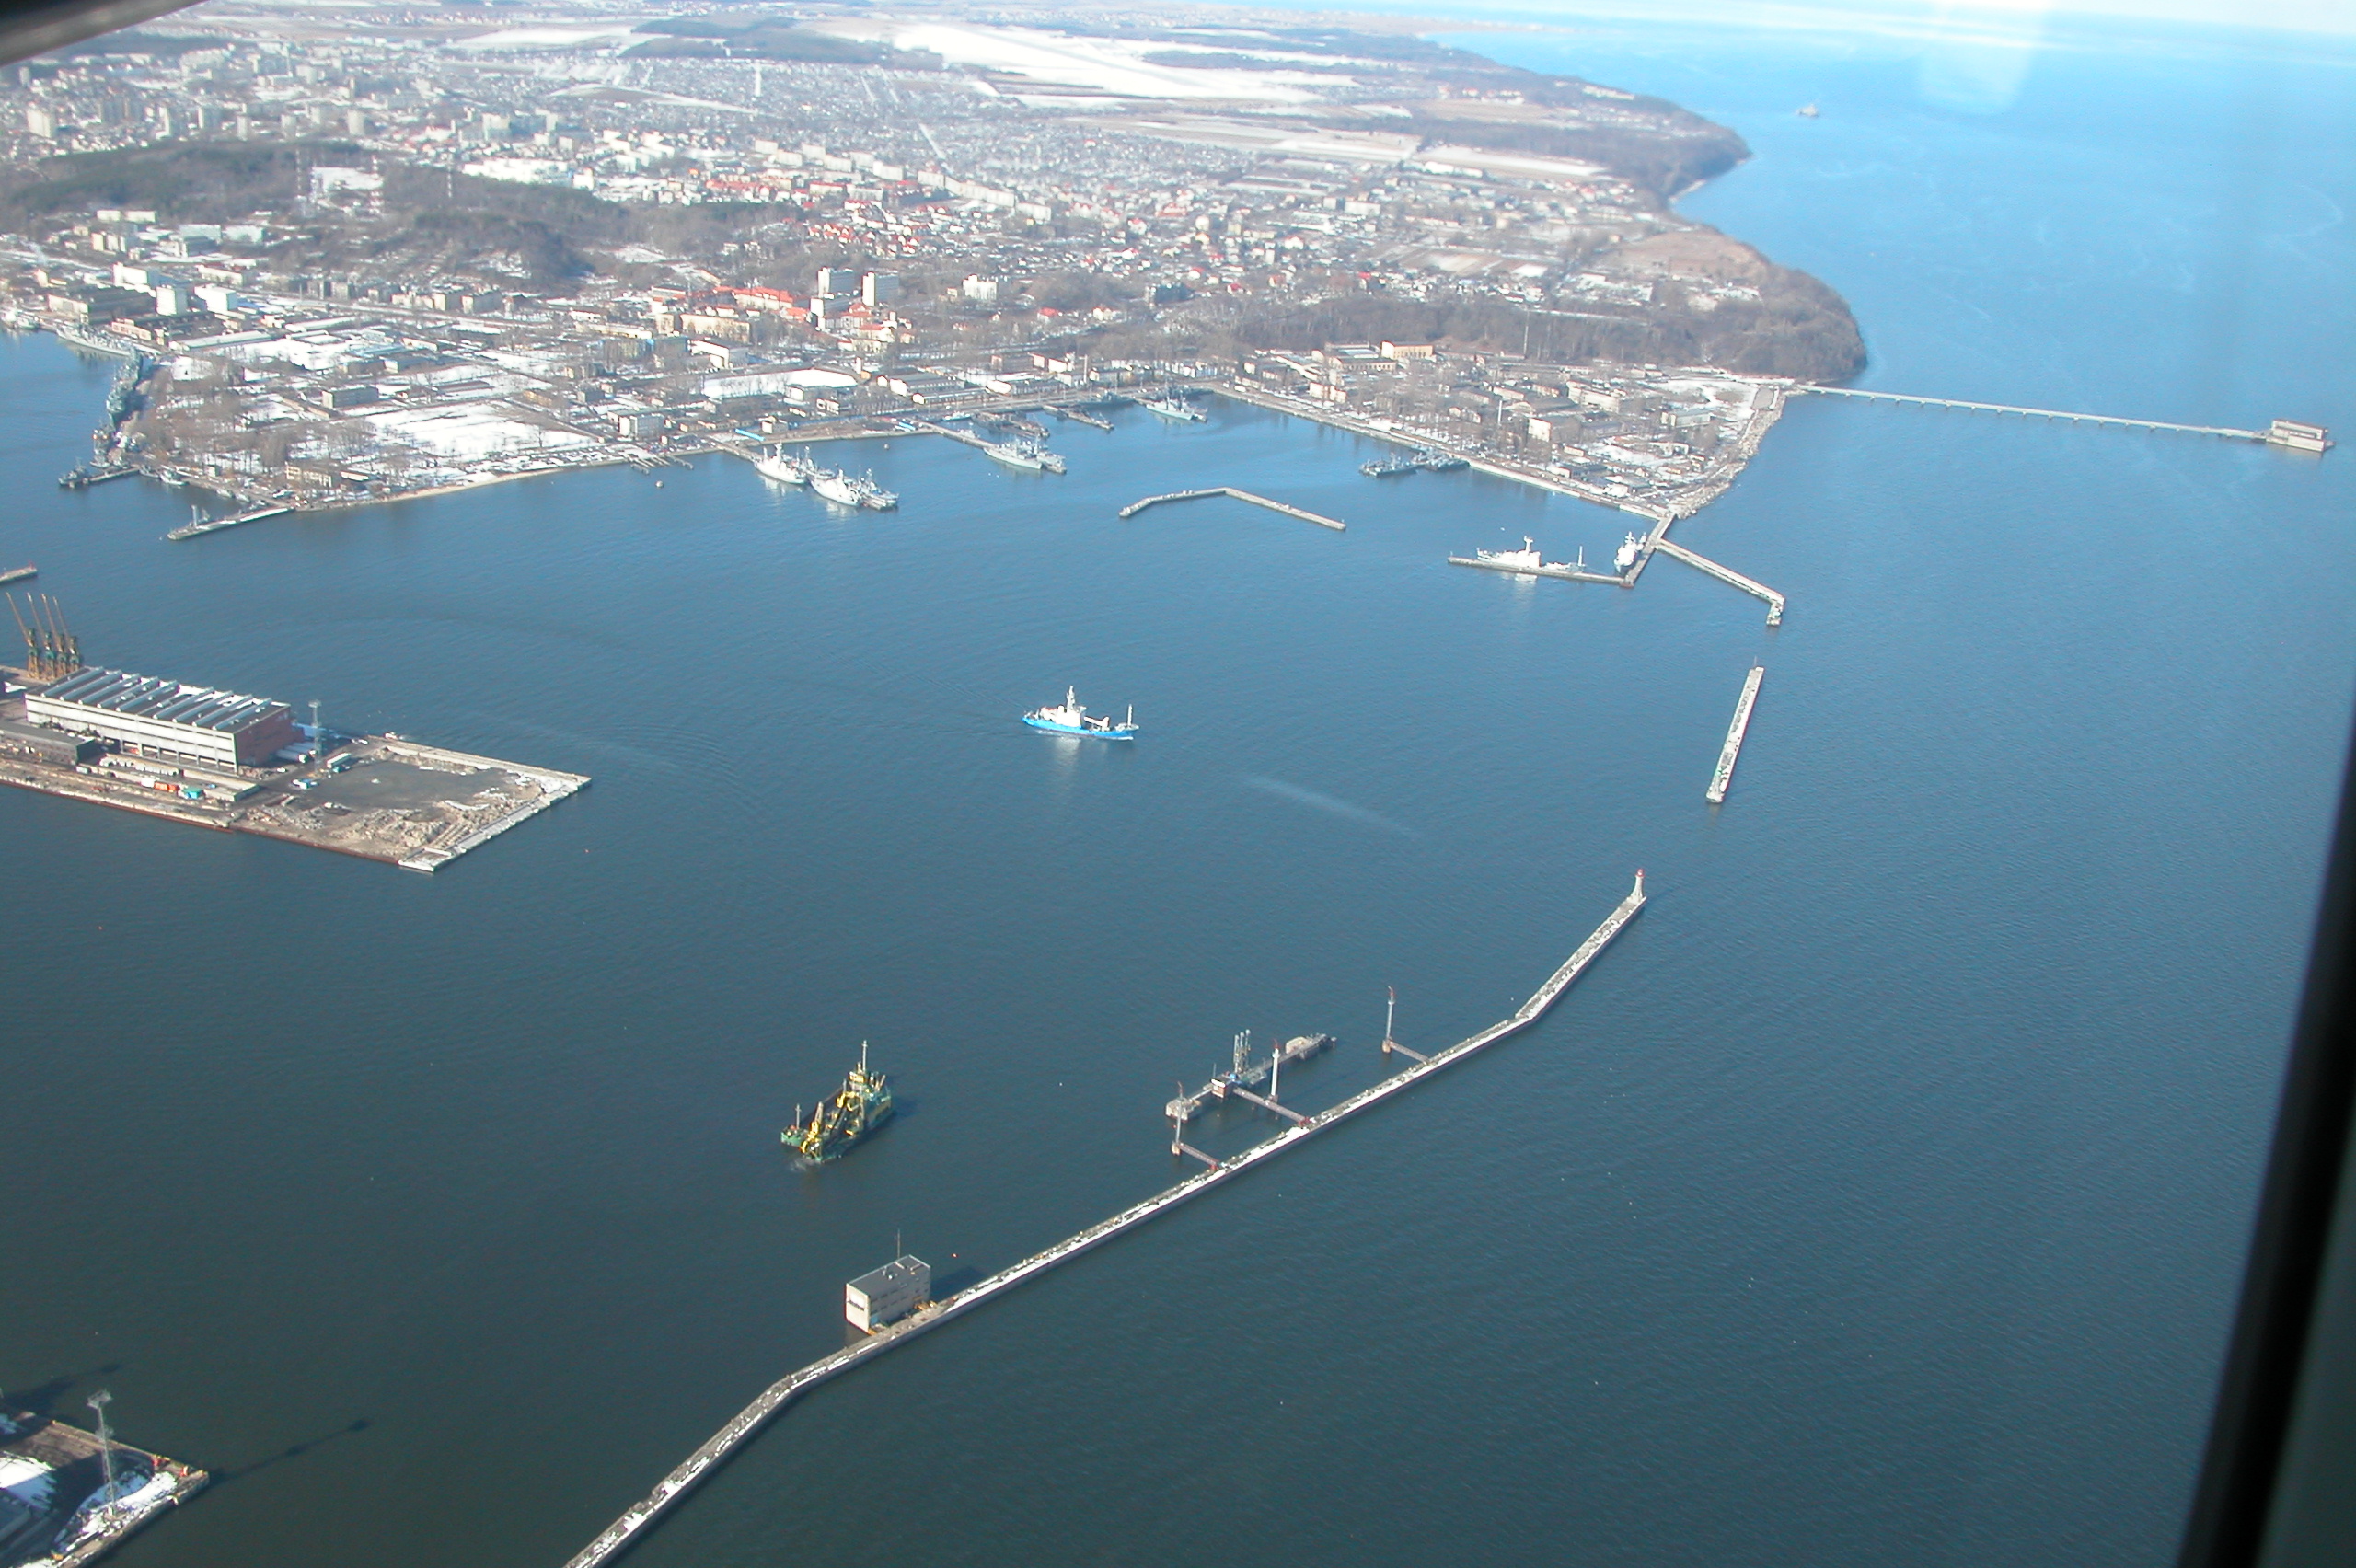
{"points": [[232, 762]]}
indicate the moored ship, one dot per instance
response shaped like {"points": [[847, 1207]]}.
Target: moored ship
{"points": [[845, 489], [1625, 556], [1526, 558], [862, 1105], [1173, 406], [1024, 452], [1425, 460], [786, 468], [1072, 719]]}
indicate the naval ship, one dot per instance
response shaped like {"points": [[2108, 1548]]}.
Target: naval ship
{"points": [[1072, 719], [862, 1105], [1173, 406], [1026, 452]]}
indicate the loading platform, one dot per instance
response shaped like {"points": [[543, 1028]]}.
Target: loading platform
{"points": [[618, 1535], [1717, 793], [1137, 506], [1661, 542]]}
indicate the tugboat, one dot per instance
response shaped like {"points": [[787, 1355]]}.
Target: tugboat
{"points": [[1173, 406], [1072, 719], [862, 1105]]}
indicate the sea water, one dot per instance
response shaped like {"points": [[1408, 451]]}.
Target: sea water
{"points": [[1880, 1193]]}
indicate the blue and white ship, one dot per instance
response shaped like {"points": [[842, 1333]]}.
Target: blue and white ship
{"points": [[1072, 719]]}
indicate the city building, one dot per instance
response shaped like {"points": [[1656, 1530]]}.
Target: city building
{"points": [[166, 717]]}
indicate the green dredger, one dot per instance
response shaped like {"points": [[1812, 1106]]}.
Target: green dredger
{"points": [[862, 1105]]}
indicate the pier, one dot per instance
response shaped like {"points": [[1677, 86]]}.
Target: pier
{"points": [[1717, 793], [1137, 506], [2280, 432], [1661, 542], [214, 525], [618, 1535]]}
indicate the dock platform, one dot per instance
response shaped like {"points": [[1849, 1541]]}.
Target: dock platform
{"points": [[618, 1535], [1323, 521], [1719, 780], [1669, 547], [2291, 433], [74, 1462]]}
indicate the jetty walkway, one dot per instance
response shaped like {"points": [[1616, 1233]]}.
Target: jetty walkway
{"points": [[1137, 506], [2225, 430], [1666, 546], [1723, 777], [618, 1535]]}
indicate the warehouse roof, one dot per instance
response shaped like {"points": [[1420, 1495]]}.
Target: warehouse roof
{"points": [[144, 696]]}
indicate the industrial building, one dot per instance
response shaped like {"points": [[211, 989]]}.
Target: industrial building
{"points": [[199, 723], [888, 1295], [48, 745]]}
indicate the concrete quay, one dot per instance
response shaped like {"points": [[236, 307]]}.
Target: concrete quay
{"points": [[2281, 433], [1662, 543], [382, 798], [1323, 521], [617, 1537], [1724, 776]]}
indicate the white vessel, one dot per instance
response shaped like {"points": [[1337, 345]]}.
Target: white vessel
{"points": [[1625, 556], [786, 468], [1171, 406], [1526, 558], [835, 486], [845, 489], [1072, 719], [1025, 452]]}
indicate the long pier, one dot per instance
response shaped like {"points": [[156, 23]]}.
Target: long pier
{"points": [[1661, 542], [1137, 506], [2227, 432], [618, 1535], [1717, 793]]}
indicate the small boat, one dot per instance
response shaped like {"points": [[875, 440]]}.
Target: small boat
{"points": [[1806, 112], [1072, 719], [1625, 556], [1173, 406], [18, 573], [794, 468], [1024, 453], [1526, 558], [862, 1105]]}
